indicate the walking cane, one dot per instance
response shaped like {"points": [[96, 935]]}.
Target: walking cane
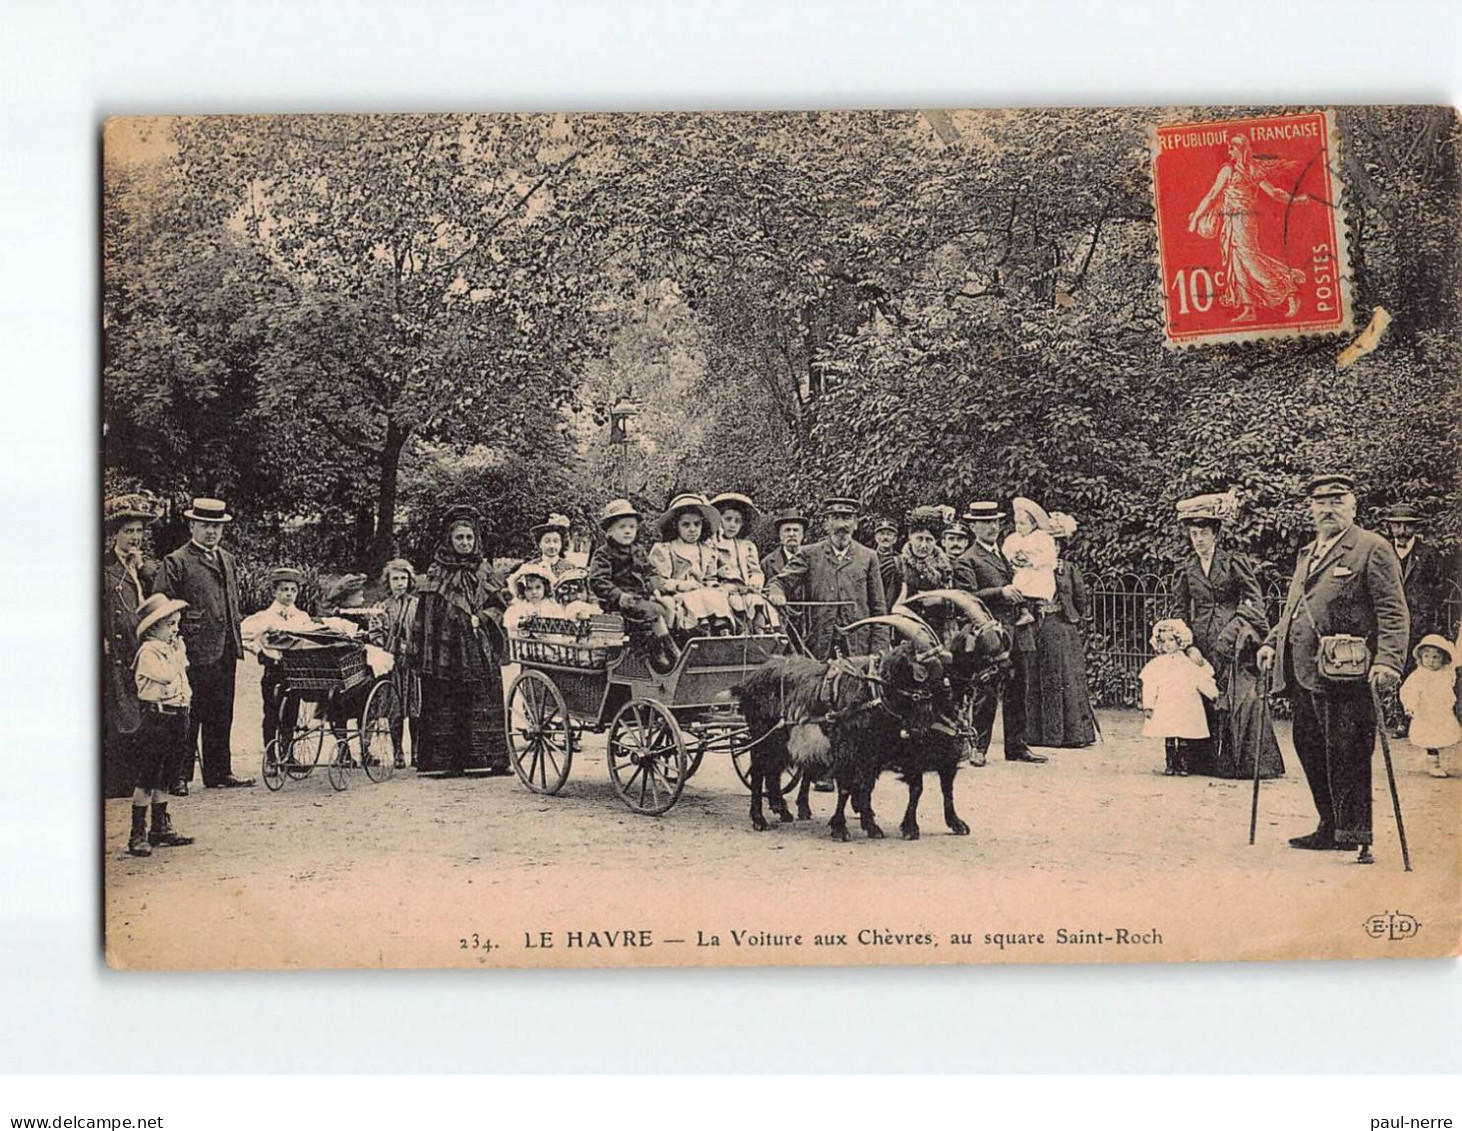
{"points": [[1390, 777], [1258, 753]]}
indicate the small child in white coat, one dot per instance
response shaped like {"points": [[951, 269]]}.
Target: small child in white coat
{"points": [[1430, 698], [1174, 684], [532, 586]]}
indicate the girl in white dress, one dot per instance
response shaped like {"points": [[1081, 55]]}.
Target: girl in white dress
{"points": [[1032, 552], [1174, 684], [1429, 696], [689, 566]]}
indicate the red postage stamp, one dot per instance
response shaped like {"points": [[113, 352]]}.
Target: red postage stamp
{"points": [[1251, 229]]}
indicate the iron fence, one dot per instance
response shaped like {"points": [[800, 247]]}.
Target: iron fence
{"points": [[1123, 607]]}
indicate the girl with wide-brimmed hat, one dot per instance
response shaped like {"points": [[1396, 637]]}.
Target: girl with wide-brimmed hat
{"points": [[532, 586], [740, 567], [687, 562], [551, 537]]}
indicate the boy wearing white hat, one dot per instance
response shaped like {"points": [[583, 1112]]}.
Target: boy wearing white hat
{"points": [[161, 670]]}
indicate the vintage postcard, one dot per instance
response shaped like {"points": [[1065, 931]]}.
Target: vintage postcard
{"points": [[879, 537]]}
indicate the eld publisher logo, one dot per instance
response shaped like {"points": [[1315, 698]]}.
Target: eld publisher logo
{"points": [[1392, 925]]}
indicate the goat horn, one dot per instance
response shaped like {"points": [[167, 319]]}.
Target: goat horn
{"points": [[907, 627], [967, 603]]}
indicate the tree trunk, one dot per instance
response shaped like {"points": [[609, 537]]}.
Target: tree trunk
{"points": [[384, 543]]}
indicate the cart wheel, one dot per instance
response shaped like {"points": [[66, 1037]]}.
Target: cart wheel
{"points": [[646, 756], [540, 740], [342, 765], [274, 766], [375, 731], [301, 740], [787, 781]]}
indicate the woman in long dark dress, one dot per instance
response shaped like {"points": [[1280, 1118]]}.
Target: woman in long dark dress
{"points": [[1058, 708], [457, 648], [1219, 597]]}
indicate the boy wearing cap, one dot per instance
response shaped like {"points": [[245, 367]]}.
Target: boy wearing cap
{"points": [[206, 577], [1348, 581], [161, 673], [282, 615], [624, 581]]}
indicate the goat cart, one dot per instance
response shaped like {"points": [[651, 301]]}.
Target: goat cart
{"points": [[338, 694], [580, 676]]}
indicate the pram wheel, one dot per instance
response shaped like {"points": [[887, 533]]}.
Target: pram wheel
{"points": [[274, 772], [342, 765], [375, 731]]}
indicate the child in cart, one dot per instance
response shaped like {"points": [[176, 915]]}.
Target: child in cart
{"points": [[688, 565], [1174, 684], [572, 594], [532, 586], [623, 580], [740, 569]]}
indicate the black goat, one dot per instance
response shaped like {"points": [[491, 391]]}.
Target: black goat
{"points": [[843, 715]]}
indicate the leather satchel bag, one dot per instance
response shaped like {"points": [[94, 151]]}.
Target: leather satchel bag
{"points": [[1339, 658]]}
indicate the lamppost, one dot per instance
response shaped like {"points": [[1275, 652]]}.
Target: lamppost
{"points": [[619, 415]]}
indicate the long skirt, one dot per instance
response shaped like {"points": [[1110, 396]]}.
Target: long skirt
{"points": [[1242, 729], [461, 725], [1057, 704]]}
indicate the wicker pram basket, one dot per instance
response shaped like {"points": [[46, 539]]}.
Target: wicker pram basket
{"points": [[315, 667], [591, 643]]}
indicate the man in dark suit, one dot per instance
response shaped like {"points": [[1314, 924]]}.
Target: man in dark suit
{"points": [[1424, 576], [1347, 580], [791, 531], [206, 577], [843, 578], [984, 571]]}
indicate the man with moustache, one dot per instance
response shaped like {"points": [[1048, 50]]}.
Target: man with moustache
{"points": [[842, 577], [1347, 580], [984, 571], [791, 531], [205, 576]]}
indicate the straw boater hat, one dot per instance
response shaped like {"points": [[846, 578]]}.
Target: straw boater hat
{"points": [[1062, 525], [1175, 627], [614, 510], [122, 509], [285, 573], [1438, 642], [1206, 509], [710, 516], [1032, 508], [154, 609], [751, 516], [208, 510], [531, 569], [557, 522], [982, 511]]}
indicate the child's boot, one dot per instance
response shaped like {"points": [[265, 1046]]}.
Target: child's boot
{"points": [[137, 843], [1170, 752], [1434, 764], [163, 835], [1180, 756]]}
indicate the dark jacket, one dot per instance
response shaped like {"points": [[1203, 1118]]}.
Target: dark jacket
{"points": [[855, 579], [1210, 603], [1070, 592], [211, 620], [1355, 590], [617, 571], [119, 628], [1424, 577], [891, 573], [986, 574]]}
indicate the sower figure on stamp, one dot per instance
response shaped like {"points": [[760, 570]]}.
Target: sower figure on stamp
{"points": [[984, 571], [126, 581], [1347, 581], [206, 577]]}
